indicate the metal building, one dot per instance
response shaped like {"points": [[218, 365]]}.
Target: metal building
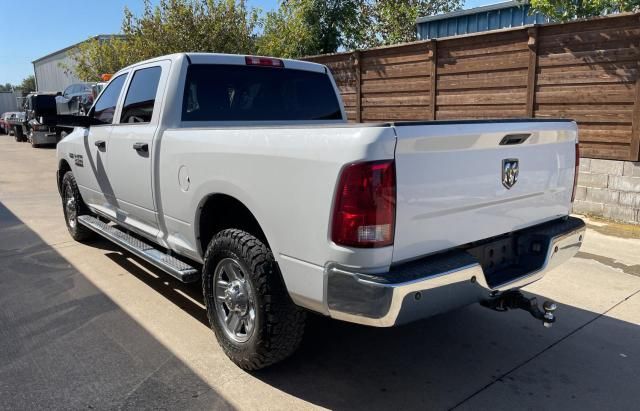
{"points": [[8, 101], [55, 71], [479, 19]]}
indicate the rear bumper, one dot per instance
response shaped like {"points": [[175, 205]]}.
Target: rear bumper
{"points": [[439, 283]]}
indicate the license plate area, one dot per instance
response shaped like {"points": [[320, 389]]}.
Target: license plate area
{"points": [[510, 257]]}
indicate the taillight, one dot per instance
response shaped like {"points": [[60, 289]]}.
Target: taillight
{"points": [[365, 205], [263, 61], [575, 175]]}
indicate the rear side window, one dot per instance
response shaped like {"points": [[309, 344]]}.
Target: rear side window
{"points": [[141, 96], [247, 93], [105, 107]]}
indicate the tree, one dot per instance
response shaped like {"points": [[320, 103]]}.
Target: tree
{"points": [[305, 27], [98, 56], [565, 10], [28, 84], [394, 21], [171, 26], [6, 87], [297, 28]]}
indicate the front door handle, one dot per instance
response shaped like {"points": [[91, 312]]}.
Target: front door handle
{"points": [[141, 147], [101, 144]]}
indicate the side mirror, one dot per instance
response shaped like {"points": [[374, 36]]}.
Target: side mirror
{"points": [[59, 93]]}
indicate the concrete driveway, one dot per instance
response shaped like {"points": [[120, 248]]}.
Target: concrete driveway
{"points": [[89, 326]]}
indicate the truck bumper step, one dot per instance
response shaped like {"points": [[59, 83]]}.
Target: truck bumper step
{"points": [[171, 265], [439, 283]]}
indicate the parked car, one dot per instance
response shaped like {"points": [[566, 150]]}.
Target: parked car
{"points": [[243, 173], [15, 122], [4, 124], [78, 98]]}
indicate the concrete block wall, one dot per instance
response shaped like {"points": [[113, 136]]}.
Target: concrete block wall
{"points": [[610, 189]]}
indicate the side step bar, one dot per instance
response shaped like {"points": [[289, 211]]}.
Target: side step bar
{"points": [[165, 262]]}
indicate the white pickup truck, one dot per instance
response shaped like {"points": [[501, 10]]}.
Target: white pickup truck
{"points": [[243, 172]]}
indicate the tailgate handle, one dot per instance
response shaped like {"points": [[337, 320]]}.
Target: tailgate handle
{"points": [[512, 139]]}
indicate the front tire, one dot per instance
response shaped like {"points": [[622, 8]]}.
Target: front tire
{"points": [[248, 306], [73, 206]]}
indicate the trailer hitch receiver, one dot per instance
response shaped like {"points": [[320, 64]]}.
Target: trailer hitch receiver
{"points": [[516, 300]]}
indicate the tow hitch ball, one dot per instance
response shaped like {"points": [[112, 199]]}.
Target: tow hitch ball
{"points": [[516, 300]]}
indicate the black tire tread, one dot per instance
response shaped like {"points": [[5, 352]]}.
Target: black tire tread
{"points": [[284, 322], [80, 233]]}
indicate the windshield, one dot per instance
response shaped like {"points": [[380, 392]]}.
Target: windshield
{"points": [[246, 93]]}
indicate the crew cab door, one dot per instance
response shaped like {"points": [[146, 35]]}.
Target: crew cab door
{"points": [[90, 161], [131, 148]]}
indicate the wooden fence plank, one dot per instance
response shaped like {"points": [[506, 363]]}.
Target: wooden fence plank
{"points": [[357, 67], [634, 150], [433, 74], [419, 83], [532, 70], [588, 71]]}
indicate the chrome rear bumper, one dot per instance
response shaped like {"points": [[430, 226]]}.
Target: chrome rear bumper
{"points": [[439, 283]]}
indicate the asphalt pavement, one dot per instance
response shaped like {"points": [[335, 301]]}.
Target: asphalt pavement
{"points": [[89, 326]]}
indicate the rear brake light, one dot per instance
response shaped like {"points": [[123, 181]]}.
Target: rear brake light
{"points": [[575, 175], [263, 61], [365, 205]]}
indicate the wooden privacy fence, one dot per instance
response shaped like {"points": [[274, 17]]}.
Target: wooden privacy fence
{"points": [[586, 71]]}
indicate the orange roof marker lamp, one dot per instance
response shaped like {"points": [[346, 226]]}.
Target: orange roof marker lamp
{"points": [[106, 77]]}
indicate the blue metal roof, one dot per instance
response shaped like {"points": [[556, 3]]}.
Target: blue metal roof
{"points": [[479, 19]]}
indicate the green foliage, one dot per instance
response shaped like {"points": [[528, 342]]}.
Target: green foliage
{"points": [[6, 87], [172, 26], [307, 27], [394, 21], [565, 10], [96, 56], [297, 28], [28, 84]]}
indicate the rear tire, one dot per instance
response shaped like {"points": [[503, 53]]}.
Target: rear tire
{"points": [[73, 206], [248, 306]]}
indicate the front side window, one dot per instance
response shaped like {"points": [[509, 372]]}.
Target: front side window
{"points": [[105, 107], [141, 96], [246, 93]]}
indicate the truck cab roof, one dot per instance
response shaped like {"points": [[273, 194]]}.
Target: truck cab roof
{"points": [[228, 59]]}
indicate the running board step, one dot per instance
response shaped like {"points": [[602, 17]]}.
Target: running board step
{"points": [[165, 262]]}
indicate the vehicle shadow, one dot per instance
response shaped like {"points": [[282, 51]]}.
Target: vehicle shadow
{"points": [[187, 297], [472, 357], [47, 146], [64, 344]]}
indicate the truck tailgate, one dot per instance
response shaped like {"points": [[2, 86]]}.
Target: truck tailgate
{"points": [[450, 187]]}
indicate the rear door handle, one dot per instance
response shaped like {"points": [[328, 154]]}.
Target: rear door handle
{"points": [[141, 147], [101, 144]]}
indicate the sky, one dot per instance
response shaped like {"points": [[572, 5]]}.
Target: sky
{"points": [[30, 29]]}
